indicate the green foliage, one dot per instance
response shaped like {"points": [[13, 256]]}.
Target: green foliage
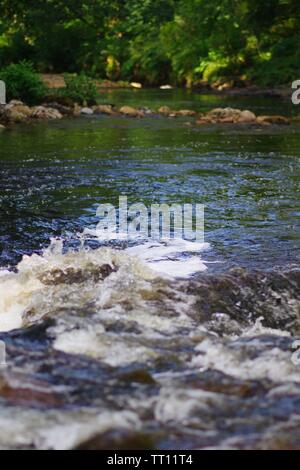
{"points": [[23, 83], [80, 88], [156, 41]]}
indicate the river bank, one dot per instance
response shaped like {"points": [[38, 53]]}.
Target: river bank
{"points": [[17, 112]]}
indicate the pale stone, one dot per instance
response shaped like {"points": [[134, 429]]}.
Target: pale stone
{"points": [[247, 117], [136, 85], [272, 120], [164, 110], [103, 109], [87, 111], [186, 112], [132, 112]]}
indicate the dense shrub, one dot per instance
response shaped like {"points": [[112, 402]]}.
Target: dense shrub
{"points": [[155, 41], [23, 83], [80, 88]]}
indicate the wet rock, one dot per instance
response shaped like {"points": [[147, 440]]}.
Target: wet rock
{"points": [[247, 117], [237, 116], [121, 440], [100, 376], [247, 296], [15, 103], [103, 109], [76, 110], [281, 120], [64, 110], [87, 111], [136, 85], [41, 112], [131, 112], [137, 376], [224, 115], [17, 112], [166, 87], [218, 382], [165, 110], [20, 390], [77, 276], [186, 113], [146, 110]]}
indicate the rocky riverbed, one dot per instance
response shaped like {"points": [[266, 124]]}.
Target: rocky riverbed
{"points": [[18, 112], [110, 355]]}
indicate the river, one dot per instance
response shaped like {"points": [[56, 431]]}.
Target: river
{"points": [[116, 345]]}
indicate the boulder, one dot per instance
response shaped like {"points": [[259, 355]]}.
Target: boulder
{"points": [[136, 85], [64, 110], [15, 103], [224, 115], [203, 120], [273, 120], [227, 116], [247, 117], [76, 110], [86, 111], [41, 112], [18, 112], [103, 109], [132, 112], [165, 110], [186, 112], [146, 110]]}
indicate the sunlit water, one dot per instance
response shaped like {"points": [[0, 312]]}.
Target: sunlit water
{"points": [[147, 344]]}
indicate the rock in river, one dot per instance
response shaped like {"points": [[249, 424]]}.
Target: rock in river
{"points": [[132, 112]]}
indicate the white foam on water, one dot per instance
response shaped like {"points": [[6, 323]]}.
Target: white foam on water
{"points": [[27, 290], [172, 257], [15, 294], [273, 364]]}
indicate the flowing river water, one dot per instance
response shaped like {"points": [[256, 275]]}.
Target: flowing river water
{"points": [[147, 345]]}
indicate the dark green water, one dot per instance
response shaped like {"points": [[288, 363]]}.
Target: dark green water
{"points": [[52, 176]]}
